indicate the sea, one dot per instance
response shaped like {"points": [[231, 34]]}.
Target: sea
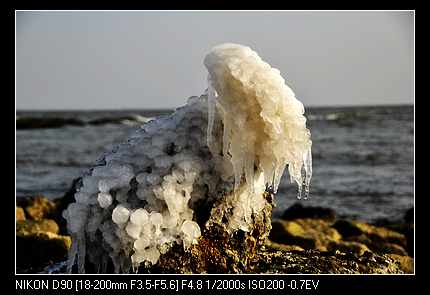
{"points": [[363, 157]]}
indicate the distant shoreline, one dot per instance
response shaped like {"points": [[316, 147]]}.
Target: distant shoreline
{"points": [[172, 109]]}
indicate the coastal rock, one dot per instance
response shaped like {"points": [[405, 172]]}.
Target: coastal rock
{"points": [[409, 215], [281, 247], [269, 260], [407, 263], [20, 214], [349, 228], [38, 207], [377, 247], [284, 232], [306, 233], [407, 229], [325, 262], [37, 239], [347, 247], [36, 249], [216, 251], [299, 211], [40, 225], [320, 235]]}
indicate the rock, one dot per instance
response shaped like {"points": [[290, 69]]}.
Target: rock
{"points": [[406, 261], [40, 225], [306, 233], [407, 229], [320, 235], [37, 242], [284, 232], [349, 228], [110, 120], [281, 247], [409, 215], [20, 215], [299, 211], [347, 247], [388, 248], [269, 260], [38, 207], [362, 239], [326, 262], [217, 251], [377, 247], [247, 252], [37, 249]]}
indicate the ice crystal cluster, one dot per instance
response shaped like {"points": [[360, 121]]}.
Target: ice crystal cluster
{"points": [[235, 140]]}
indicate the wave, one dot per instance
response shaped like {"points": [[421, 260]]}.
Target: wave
{"points": [[57, 122], [337, 116]]}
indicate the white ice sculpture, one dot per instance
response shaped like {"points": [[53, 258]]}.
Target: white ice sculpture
{"points": [[144, 195]]}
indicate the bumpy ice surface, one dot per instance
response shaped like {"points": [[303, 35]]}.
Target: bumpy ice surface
{"points": [[144, 195]]}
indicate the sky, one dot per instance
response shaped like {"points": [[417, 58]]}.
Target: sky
{"points": [[90, 60]]}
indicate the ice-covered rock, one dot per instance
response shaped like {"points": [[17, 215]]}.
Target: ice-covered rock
{"points": [[198, 177]]}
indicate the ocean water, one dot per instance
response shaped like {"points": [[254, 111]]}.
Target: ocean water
{"points": [[363, 157]]}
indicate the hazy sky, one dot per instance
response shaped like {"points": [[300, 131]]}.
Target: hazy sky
{"points": [[154, 59]]}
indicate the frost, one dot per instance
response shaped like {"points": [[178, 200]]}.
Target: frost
{"points": [[237, 138]]}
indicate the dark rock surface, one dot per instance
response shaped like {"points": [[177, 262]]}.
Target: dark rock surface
{"points": [[325, 262], [38, 207], [299, 211], [20, 214], [348, 236], [37, 249], [39, 240], [40, 225], [302, 245]]}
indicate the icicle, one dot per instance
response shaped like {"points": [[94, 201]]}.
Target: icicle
{"points": [[226, 136], [306, 174], [278, 174], [72, 253], [301, 183], [307, 163], [211, 109], [81, 251], [249, 167], [237, 151]]}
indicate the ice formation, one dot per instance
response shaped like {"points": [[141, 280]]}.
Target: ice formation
{"points": [[233, 141]]}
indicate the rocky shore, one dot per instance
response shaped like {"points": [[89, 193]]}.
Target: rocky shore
{"points": [[317, 229], [306, 240]]}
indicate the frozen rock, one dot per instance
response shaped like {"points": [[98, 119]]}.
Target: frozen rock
{"points": [[196, 179]]}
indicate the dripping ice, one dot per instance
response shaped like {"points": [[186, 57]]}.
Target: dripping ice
{"points": [[211, 109], [143, 196], [242, 85]]}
